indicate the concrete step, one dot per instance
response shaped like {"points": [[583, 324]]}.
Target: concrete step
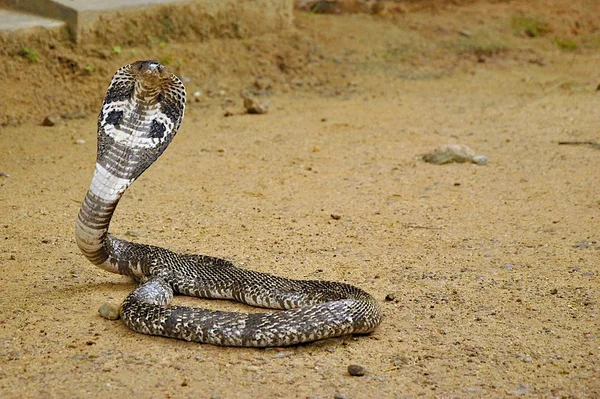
{"points": [[138, 20], [12, 20]]}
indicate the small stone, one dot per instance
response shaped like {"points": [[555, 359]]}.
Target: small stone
{"points": [[465, 32], [79, 141], [390, 297], [282, 355], [522, 390], [109, 311], [262, 84], [49, 121], [254, 106], [554, 291], [133, 233], [339, 396], [458, 153], [4, 174], [252, 368], [401, 361], [507, 266], [197, 93], [480, 159], [184, 383], [356, 370], [336, 217]]}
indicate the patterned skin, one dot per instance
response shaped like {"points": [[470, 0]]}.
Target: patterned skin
{"points": [[141, 113]]}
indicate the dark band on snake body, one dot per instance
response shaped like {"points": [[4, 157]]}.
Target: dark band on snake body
{"points": [[141, 113]]}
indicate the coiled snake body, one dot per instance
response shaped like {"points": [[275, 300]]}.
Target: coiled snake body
{"points": [[141, 113]]}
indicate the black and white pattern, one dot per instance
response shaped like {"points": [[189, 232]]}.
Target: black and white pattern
{"points": [[142, 111]]}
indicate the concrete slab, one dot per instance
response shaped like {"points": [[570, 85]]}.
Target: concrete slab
{"points": [[108, 5], [138, 20], [11, 20]]}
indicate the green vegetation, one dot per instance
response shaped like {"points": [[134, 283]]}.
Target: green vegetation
{"points": [[166, 60], [117, 49], [481, 45], [531, 27], [30, 54], [89, 68], [565, 44]]}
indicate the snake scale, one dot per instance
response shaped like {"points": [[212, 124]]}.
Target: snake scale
{"points": [[142, 111]]}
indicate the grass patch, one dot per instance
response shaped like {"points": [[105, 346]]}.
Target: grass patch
{"points": [[30, 54], [481, 46], [565, 44], [531, 27]]}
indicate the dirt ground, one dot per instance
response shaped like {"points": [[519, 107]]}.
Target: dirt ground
{"points": [[494, 268]]}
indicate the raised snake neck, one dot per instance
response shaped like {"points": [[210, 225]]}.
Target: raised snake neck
{"points": [[141, 113]]}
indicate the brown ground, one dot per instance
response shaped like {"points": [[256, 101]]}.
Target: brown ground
{"points": [[494, 268]]}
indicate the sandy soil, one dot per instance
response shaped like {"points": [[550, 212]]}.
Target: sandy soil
{"points": [[494, 269]]}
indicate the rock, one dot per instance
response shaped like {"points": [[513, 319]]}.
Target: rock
{"points": [[335, 217], [480, 159], [50, 121], [356, 370], [79, 141], [254, 106], [262, 84], [401, 361], [520, 391], [282, 355], [458, 153], [109, 311], [390, 297], [339, 396]]}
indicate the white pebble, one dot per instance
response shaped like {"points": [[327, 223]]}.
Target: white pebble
{"points": [[480, 159]]}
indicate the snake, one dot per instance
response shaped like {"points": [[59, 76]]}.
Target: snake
{"points": [[142, 111]]}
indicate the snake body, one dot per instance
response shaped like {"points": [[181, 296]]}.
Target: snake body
{"points": [[142, 111]]}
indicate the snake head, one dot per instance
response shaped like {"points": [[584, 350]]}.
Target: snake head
{"points": [[142, 111], [151, 73]]}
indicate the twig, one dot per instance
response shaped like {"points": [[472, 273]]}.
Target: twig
{"points": [[592, 143]]}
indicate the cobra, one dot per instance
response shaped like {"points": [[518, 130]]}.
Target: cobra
{"points": [[142, 111]]}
